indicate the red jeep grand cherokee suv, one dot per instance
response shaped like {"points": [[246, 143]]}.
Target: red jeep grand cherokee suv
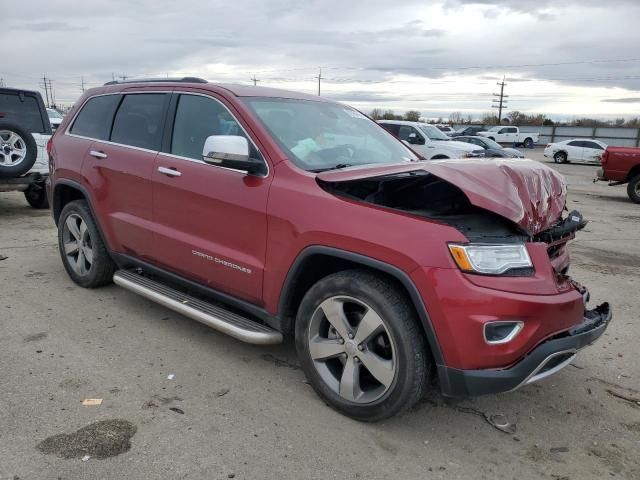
{"points": [[268, 214]]}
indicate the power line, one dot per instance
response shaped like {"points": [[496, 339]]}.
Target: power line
{"points": [[255, 80], [501, 103]]}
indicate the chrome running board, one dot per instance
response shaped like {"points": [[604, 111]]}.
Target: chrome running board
{"points": [[214, 316]]}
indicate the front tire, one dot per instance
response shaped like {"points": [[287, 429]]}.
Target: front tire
{"points": [[360, 345], [633, 189], [84, 255], [36, 196]]}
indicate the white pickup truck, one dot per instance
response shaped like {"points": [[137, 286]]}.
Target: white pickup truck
{"points": [[511, 135]]}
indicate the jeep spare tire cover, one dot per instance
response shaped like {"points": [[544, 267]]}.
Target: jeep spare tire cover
{"points": [[18, 150]]}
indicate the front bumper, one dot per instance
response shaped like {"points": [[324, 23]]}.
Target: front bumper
{"points": [[546, 359]]}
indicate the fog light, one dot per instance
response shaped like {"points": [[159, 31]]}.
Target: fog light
{"points": [[497, 333]]}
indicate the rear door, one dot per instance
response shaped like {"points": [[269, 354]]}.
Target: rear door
{"points": [[592, 151], [119, 166], [210, 221]]}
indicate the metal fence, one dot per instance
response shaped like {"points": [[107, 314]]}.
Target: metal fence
{"points": [[614, 136]]}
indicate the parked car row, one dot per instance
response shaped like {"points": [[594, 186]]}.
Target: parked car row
{"points": [[432, 143]]}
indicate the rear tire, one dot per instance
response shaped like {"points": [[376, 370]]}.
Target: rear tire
{"points": [[366, 376], [560, 157], [18, 150], [633, 189], [36, 195], [528, 142], [84, 255]]}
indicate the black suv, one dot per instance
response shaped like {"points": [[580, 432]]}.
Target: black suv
{"points": [[24, 132]]}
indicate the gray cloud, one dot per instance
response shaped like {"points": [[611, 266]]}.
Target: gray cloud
{"points": [[622, 100], [362, 97], [50, 26], [357, 42]]}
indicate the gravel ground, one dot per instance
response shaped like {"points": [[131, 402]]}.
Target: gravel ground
{"points": [[239, 411]]}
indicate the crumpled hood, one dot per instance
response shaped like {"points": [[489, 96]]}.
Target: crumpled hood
{"points": [[524, 191]]}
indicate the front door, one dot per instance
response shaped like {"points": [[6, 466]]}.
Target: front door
{"points": [[210, 222], [575, 151]]}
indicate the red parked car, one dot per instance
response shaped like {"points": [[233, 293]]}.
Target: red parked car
{"points": [[622, 165], [270, 214]]}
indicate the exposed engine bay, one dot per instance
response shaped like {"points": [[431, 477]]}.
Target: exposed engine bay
{"points": [[426, 195]]}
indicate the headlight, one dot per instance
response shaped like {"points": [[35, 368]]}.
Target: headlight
{"points": [[490, 259]]}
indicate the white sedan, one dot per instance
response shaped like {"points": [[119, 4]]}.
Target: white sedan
{"points": [[576, 150]]}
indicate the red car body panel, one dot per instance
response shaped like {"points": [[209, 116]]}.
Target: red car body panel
{"points": [[618, 162], [121, 187], [262, 224]]}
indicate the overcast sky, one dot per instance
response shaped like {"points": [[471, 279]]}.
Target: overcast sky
{"points": [[563, 58]]}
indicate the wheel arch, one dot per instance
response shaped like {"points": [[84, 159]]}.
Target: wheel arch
{"points": [[65, 191], [635, 170], [316, 262]]}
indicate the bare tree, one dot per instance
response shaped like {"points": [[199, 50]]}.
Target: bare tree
{"points": [[412, 116], [376, 114], [456, 117]]}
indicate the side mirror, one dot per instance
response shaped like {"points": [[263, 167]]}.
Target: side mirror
{"points": [[231, 151], [414, 139]]}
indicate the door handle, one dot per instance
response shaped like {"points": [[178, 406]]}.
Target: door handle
{"points": [[98, 154], [170, 172]]}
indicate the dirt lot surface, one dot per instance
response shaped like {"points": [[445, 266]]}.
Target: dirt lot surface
{"points": [[233, 410]]}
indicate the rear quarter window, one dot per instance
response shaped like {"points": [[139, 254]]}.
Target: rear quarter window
{"points": [[96, 117], [23, 110]]}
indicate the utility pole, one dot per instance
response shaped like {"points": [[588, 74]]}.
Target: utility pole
{"points": [[82, 83], [319, 77], [1, 82], [123, 77], [501, 103], [46, 87], [52, 93], [255, 80]]}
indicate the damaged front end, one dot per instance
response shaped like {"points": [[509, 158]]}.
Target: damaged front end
{"points": [[514, 264], [500, 201]]}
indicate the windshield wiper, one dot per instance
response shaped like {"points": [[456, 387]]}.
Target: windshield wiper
{"points": [[335, 167]]}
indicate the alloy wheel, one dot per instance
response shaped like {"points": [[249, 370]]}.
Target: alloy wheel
{"points": [[13, 148], [78, 247], [352, 349]]}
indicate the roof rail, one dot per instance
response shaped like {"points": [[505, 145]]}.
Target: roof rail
{"points": [[147, 80]]}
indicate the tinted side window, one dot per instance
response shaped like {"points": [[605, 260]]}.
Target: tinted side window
{"points": [[139, 120], [94, 120], [512, 130], [23, 110], [198, 118], [576, 143], [391, 128], [593, 145], [406, 130]]}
